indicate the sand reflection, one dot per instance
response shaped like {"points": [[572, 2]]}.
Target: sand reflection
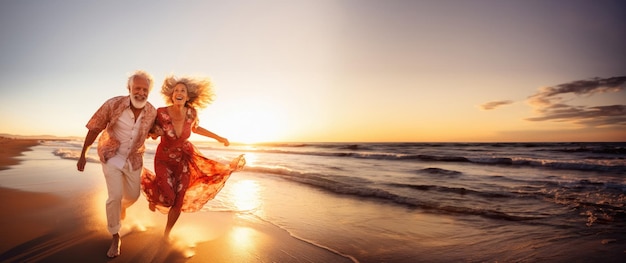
{"points": [[245, 195], [242, 238]]}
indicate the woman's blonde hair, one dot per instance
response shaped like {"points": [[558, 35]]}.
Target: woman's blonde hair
{"points": [[199, 90]]}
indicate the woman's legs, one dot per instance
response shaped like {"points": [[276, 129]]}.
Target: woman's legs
{"points": [[174, 213], [180, 188], [172, 217]]}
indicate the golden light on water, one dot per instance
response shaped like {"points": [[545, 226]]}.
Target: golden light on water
{"points": [[251, 158], [245, 195]]}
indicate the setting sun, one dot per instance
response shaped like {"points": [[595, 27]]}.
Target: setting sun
{"points": [[260, 121]]}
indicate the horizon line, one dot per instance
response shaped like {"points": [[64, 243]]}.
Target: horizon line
{"points": [[80, 138]]}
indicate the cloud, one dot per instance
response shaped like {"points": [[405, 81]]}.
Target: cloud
{"points": [[495, 104], [550, 104]]}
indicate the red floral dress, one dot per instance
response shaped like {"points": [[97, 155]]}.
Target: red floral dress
{"points": [[182, 173]]}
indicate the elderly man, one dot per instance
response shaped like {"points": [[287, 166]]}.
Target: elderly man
{"points": [[124, 122]]}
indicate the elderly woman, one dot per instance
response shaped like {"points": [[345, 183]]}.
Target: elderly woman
{"points": [[184, 179]]}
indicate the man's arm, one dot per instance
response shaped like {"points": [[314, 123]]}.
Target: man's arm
{"points": [[89, 139]]}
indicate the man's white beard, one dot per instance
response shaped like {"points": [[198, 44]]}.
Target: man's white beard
{"points": [[136, 103]]}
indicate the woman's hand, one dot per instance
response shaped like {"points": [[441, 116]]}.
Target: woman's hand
{"points": [[224, 141], [155, 132]]}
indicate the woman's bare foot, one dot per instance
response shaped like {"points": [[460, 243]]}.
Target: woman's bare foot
{"points": [[166, 234], [116, 244]]}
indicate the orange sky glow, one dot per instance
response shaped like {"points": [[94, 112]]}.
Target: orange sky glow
{"points": [[329, 71]]}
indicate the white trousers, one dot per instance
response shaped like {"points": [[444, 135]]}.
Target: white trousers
{"points": [[123, 187]]}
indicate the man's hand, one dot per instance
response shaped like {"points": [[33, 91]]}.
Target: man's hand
{"points": [[81, 163], [155, 132]]}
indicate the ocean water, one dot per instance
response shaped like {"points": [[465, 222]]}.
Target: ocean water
{"points": [[432, 202]]}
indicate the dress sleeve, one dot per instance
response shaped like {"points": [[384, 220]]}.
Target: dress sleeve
{"points": [[195, 121]]}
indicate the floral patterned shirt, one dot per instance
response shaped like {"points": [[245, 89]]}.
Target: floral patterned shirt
{"points": [[105, 120]]}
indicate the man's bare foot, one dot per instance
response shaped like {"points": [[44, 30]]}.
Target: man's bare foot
{"points": [[116, 244]]}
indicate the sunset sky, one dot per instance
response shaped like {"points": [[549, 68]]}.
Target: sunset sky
{"points": [[328, 70]]}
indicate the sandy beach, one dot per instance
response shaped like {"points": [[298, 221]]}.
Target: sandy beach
{"points": [[62, 220], [11, 148]]}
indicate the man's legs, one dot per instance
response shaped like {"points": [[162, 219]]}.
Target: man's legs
{"points": [[123, 188], [132, 188], [114, 180]]}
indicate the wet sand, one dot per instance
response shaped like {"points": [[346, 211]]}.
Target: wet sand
{"points": [[68, 225], [10, 149]]}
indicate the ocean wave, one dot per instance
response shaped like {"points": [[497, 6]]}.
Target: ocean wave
{"points": [[73, 155], [605, 201], [439, 171], [62, 143], [587, 164], [453, 190], [597, 149], [334, 184]]}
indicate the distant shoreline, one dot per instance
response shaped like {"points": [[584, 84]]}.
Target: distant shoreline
{"points": [[11, 148], [39, 137]]}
